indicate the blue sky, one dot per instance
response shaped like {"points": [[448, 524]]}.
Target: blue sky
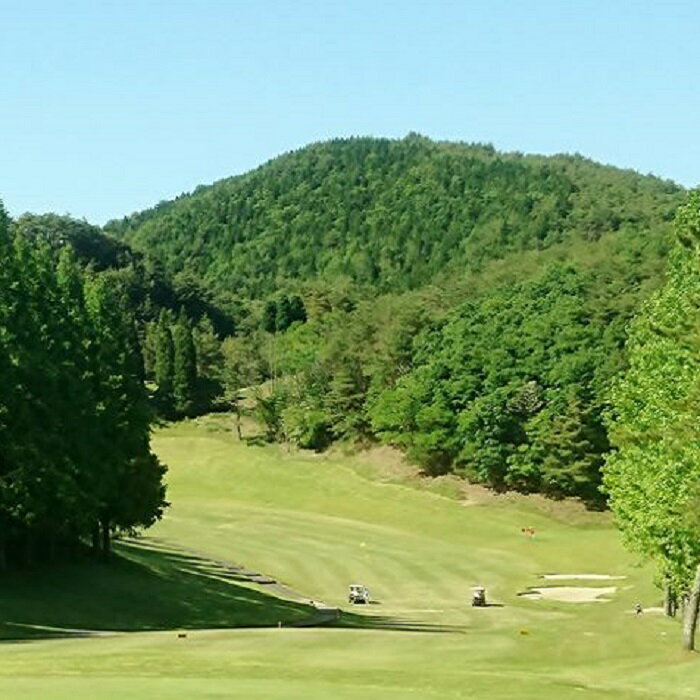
{"points": [[109, 107]]}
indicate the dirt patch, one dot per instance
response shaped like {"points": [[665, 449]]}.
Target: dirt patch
{"points": [[582, 577], [387, 463], [570, 594]]}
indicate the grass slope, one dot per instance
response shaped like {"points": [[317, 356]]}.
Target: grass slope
{"points": [[142, 589], [317, 524]]}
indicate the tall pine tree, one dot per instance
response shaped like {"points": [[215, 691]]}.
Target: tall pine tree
{"points": [[164, 363], [185, 366]]}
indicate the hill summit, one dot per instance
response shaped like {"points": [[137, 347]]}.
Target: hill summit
{"points": [[391, 214]]}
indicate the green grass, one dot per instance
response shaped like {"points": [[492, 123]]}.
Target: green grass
{"points": [[142, 589], [318, 523]]}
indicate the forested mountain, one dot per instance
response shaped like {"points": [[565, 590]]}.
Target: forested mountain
{"points": [[391, 214], [466, 305]]}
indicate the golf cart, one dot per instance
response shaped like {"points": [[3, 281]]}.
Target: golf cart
{"points": [[358, 594], [478, 597]]}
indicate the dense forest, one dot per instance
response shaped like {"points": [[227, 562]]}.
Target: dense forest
{"points": [[392, 215], [193, 318], [75, 460], [465, 305]]}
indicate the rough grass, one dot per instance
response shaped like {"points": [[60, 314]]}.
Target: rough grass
{"points": [[318, 524]]}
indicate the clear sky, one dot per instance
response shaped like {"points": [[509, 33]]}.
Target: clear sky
{"points": [[109, 107]]}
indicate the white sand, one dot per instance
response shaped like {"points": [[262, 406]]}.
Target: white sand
{"points": [[583, 577], [570, 594]]}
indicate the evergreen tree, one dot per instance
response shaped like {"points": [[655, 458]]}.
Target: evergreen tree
{"points": [[44, 486], [269, 319], [241, 367], [164, 363], [207, 350], [184, 367], [283, 314], [149, 349], [122, 450]]}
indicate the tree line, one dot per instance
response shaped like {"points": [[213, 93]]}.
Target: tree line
{"points": [[652, 474], [75, 461]]}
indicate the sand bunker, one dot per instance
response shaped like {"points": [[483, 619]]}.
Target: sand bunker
{"points": [[570, 594], [582, 577]]}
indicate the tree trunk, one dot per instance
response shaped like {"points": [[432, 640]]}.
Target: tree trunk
{"points": [[670, 603], [28, 554], [106, 539], [51, 549], [3, 554], [238, 421], [96, 539], [690, 622]]}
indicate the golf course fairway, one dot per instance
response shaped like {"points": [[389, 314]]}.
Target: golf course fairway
{"points": [[179, 614]]}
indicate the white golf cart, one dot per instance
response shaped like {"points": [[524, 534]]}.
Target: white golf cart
{"points": [[478, 597], [358, 594]]}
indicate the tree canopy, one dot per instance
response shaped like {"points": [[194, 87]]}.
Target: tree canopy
{"points": [[390, 215], [653, 473], [75, 460]]}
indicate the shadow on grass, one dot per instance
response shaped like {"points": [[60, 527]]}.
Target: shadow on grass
{"points": [[152, 585], [140, 589], [349, 620], [332, 617]]}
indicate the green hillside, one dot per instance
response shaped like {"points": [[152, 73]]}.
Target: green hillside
{"points": [[392, 214], [466, 305]]}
